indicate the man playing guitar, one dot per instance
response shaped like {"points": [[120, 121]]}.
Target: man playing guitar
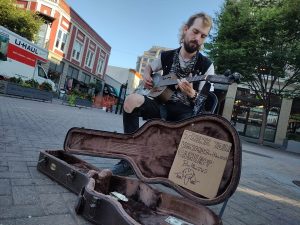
{"points": [[184, 62]]}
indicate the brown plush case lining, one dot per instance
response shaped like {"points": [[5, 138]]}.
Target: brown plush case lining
{"points": [[152, 148]]}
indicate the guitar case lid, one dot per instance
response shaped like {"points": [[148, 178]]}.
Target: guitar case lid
{"points": [[152, 148]]}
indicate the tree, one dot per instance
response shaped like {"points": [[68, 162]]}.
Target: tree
{"points": [[261, 40], [22, 22]]}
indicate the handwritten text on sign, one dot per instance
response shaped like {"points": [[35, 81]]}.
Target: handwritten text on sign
{"points": [[199, 163]]}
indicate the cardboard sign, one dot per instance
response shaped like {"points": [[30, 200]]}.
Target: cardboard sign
{"points": [[199, 163]]}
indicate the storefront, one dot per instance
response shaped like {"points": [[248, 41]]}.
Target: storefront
{"points": [[248, 113]]}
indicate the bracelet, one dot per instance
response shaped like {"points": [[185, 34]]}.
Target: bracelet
{"points": [[194, 97]]}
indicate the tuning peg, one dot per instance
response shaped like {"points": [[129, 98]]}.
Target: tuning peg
{"points": [[235, 77]]}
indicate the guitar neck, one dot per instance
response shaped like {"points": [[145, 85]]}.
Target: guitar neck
{"points": [[220, 79]]}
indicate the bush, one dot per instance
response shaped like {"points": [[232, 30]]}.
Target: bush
{"points": [[72, 99], [45, 86], [16, 80], [32, 83]]}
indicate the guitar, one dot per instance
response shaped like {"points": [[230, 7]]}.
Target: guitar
{"points": [[161, 91]]}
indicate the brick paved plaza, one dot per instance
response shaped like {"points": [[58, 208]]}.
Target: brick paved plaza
{"points": [[266, 194]]}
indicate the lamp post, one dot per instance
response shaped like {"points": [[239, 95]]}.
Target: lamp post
{"points": [[121, 97]]}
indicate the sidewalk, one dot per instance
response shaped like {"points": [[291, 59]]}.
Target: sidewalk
{"points": [[266, 194]]}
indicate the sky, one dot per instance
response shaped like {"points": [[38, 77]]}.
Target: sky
{"points": [[131, 27]]}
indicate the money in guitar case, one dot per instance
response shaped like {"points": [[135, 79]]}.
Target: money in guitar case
{"points": [[107, 199]]}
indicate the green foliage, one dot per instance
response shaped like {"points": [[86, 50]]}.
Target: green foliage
{"points": [[27, 85], [72, 99], [255, 35], [22, 22], [16, 80], [77, 93], [45, 86], [31, 83], [261, 40], [295, 117]]}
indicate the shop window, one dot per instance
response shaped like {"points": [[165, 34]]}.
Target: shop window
{"points": [[86, 78], [55, 70], [72, 72]]}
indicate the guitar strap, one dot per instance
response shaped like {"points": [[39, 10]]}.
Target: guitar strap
{"points": [[200, 100]]}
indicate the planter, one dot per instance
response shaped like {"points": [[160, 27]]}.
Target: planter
{"points": [[83, 102], [25, 92]]}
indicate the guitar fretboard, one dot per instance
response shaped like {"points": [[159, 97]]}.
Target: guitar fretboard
{"points": [[220, 79]]}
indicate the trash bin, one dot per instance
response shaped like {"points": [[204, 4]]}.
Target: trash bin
{"points": [[62, 93]]}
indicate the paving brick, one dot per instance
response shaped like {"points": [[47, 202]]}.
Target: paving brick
{"points": [[28, 127], [53, 204], [252, 218], [5, 200], [68, 196], [35, 173], [32, 164], [8, 174], [50, 189], [8, 222], [3, 163], [24, 195], [4, 168], [17, 166], [284, 214], [48, 220], [5, 187], [232, 221], [24, 182], [20, 211]]}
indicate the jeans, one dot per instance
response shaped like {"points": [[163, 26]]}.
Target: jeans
{"points": [[150, 109]]}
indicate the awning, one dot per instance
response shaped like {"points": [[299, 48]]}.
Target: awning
{"points": [[46, 17], [109, 90]]}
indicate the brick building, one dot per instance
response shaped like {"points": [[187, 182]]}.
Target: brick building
{"points": [[77, 54]]}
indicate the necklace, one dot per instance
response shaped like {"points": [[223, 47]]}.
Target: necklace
{"points": [[183, 59], [188, 65]]}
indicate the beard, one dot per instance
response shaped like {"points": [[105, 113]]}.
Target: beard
{"points": [[191, 46]]}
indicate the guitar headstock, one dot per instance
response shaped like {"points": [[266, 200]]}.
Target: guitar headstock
{"points": [[233, 77]]}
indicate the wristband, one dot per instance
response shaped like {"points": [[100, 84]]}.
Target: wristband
{"points": [[194, 97]]}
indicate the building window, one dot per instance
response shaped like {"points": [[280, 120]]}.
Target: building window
{"points": [[58, 67], [100, 66], [61, 40], [55, 70], [89, 59], [77, 50], [73, 73], [86, 78]]}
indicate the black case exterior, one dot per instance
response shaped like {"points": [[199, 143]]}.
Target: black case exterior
{"points": [[99, 207], [61, 167]]}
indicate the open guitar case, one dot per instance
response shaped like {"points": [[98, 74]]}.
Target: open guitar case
{"points": [[107, 199]]}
